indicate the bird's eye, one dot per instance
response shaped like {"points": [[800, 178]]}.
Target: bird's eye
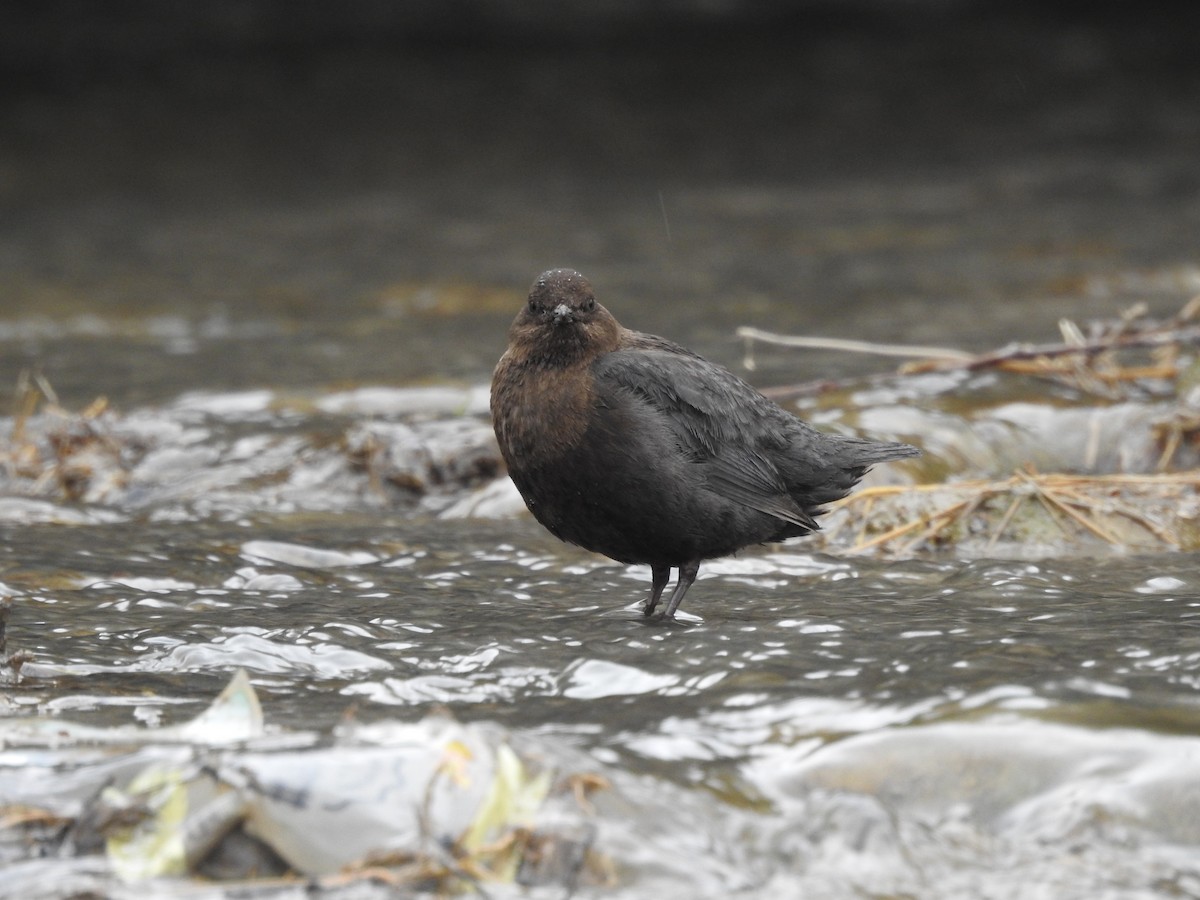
{"points": [[589, 304]]}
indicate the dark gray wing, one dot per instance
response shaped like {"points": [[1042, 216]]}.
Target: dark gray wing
{"points": [[721, 423], [749, 479]]}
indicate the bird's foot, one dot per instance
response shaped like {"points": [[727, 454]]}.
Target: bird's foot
{"points": [[663, 618]]}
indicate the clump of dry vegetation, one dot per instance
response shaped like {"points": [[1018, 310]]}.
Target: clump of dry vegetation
{"points": [[1129, 359], [168, 455], [1028, 509], [74, 456]]}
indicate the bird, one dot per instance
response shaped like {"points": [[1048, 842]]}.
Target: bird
{"points": [[634, 447]]}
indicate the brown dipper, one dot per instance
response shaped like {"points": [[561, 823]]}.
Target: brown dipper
{"points": [[632, 446]]}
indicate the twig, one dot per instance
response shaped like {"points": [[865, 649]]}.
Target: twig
{"points": [[963, 512], [1005, 519], [1089, 348], [943, 357], [888, 535], [1081, 358], [749, 335], [1052, 513], [948, 513], [866, 518], [1091, 525], [1121, 509]]}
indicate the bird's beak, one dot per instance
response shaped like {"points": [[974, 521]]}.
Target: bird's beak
{"points": [[562, 313]]}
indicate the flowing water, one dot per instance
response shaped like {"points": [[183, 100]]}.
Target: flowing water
{"points": [[837, 726], [248, 275]]}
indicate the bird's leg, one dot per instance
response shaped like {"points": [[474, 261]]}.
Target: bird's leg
{"points": [[687, 574], [659, 576]]}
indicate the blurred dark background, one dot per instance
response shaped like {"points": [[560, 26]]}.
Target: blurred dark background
{"points": [[236, 193]]}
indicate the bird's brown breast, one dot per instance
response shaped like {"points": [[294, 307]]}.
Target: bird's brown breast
{"points": [[540, 415]]}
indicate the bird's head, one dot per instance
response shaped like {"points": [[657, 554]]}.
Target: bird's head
{"points": [[562, 320]]}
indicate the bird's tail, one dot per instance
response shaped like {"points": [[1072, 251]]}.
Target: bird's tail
{"points": [[863, 452], [878, 452]]}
